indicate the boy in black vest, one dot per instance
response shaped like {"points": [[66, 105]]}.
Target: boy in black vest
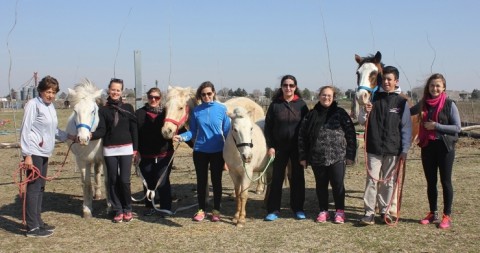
{"points": [[389, 131]]}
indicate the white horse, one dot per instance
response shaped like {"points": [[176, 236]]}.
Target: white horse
{"points": [[245, 152], [179, 102], [84, 120]]}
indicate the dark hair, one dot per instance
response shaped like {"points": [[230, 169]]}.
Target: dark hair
{"points": [[328, 87], [279, 93], [115, 80], [48, 82], [154, 89], [391, 70], [204, 85], [426, 92]]}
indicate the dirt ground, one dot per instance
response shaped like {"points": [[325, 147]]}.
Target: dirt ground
{"points": [[178, 233]]}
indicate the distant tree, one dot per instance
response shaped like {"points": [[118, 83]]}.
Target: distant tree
{"points": [[240, 92], [268, 92], [256, 93], [339, 92], [62, 95], [223, 92], [350, 94], [231, 93], [13, 95], [463, 95], [306, 94], [475, 94]]}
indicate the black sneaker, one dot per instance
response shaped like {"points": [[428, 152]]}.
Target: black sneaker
{"points": [[368, 220], [39, 232], [48, 227]]}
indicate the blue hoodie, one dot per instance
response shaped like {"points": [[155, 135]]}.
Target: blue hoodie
{"points": [[209, 126]]}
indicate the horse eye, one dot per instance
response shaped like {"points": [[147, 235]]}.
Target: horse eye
{"points": [[180, 109]]}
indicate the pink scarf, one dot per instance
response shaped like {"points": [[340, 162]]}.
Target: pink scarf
{"points": [[437, 103]]}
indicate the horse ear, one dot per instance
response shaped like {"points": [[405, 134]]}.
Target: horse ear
{"points": [[378, 57], [71, 92], [98, 93], [358, 58]]}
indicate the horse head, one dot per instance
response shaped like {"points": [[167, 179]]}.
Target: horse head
{"points": [[369, 79], [242, 133], [178, 104], [83, 98]]}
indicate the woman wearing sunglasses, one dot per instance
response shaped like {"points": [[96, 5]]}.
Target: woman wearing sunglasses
{"points": [[155, 151], [282, 123], [209, 126]]}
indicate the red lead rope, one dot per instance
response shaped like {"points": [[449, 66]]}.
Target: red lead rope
{"points": [[34, 174], [399, 171]]}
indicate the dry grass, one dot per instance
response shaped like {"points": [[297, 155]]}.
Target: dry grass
{"points": [[63, 200]]}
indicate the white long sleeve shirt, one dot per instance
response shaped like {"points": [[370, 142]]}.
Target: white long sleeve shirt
{"points": [[39, 129]]}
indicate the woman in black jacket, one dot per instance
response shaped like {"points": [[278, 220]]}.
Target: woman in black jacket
{"points": [[282, 123], [155, 151], [118, 129], [327, 141]]}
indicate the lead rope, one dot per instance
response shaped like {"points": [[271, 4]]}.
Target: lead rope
{"points": [[32, 176], [399, 171], [150, 194]]}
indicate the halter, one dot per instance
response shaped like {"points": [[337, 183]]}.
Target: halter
{"points": [[371, 90], [89, 127], [182, 121], [244, 144]]}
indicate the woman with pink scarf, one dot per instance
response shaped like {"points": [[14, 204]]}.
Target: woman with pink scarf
{"points": [[439, 128]]}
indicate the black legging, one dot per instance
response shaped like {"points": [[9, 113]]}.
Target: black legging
{"points": [[434, 156], [297, 181], [118, 172], [152, 169], [333, 174], [201, 161]]}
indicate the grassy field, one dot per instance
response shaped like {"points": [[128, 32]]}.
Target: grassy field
{"points": [[63, 201]]}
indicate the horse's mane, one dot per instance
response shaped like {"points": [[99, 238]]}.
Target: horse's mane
{"points": [[370, 58], [83, 90], [240, 112], [178, 92]]}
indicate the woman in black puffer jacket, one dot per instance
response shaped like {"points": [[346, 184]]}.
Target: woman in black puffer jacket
{"points": [[327, 141]]}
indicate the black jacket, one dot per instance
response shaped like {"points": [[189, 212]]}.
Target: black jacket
{"points": [[151, 143], [124, 132], [333, 141], [282, 123]]}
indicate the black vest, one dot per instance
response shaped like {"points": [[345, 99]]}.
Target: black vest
{"points": [[384, 124]]}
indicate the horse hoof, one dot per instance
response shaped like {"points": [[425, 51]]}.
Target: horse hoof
{"points": [[97, 197], [258, 192], [240, 225], [87, 215]]}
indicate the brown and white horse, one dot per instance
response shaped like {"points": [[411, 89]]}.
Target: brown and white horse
{"points": [[369, 80]]}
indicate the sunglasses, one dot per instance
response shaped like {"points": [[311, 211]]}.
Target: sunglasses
{"points": [[207, 94], [116, 80], [288, 85], [153, 97]]}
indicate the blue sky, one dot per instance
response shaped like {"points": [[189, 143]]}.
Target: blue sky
{"points": [[248, 44]]}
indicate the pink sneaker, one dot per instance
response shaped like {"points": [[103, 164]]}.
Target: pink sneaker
{"points": [[215, 215], [118, 218], [323, 216], [128, 216], [199, 216], [432, 217], [339, 217], [446, 222]]}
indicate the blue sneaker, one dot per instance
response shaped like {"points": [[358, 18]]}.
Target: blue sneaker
{"points": [[300, 215], [271, 216]]}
